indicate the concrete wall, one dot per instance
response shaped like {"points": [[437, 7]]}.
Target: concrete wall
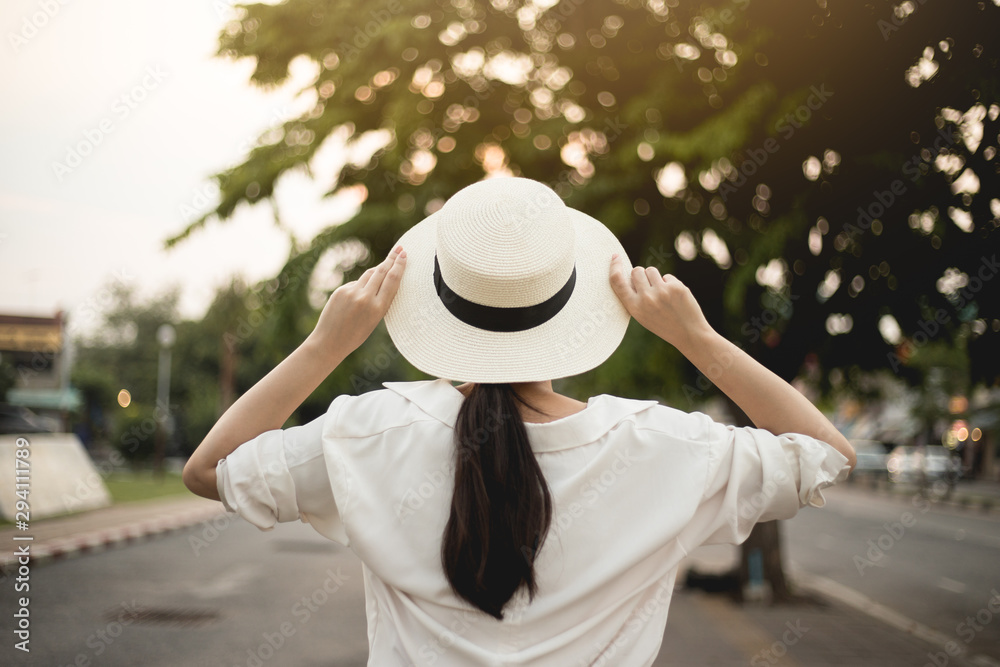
{"points": [[61, 477]]}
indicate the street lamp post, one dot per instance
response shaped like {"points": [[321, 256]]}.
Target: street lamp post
{"points": [[165, 336]]}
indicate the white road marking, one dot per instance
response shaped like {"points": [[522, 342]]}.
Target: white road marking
{"points": [[852, 598], [951, 585]]}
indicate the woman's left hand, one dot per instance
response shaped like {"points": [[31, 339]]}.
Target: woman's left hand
{"points": [[356, 308]]}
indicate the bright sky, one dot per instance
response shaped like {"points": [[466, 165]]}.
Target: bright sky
{"points": [[138, 83]]}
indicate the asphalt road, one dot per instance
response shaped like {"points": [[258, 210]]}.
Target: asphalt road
{"points": [[199, 597], [938, 566], [232, 595]]}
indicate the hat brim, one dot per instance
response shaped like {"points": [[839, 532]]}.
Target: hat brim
{"points": [[581, 336]]}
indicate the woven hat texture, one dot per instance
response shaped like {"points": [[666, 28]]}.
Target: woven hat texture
{"points": [[503, 243]]}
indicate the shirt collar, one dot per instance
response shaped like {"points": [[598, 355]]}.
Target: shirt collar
{"points": [[441, 400]]}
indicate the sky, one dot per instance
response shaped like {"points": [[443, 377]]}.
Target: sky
{"points": [[115, 116]]}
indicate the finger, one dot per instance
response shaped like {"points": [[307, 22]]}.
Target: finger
{"points": [[653, 275], [620, 283], [382, 270], [366, 276], [379, 271], [640, 280], [387, 290]]}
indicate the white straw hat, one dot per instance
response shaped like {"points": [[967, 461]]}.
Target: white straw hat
{"points": [[505, 283]]}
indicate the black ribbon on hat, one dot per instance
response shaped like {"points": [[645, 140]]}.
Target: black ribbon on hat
{"points": [[494, 318]]}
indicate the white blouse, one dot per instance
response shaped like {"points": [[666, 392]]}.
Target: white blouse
{"points": [[636, 485]]}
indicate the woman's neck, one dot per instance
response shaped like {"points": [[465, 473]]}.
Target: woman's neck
{"points": [[550, 405], [526, 390]]}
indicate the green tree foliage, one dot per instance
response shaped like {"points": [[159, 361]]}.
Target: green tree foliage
{"points": [[819, 173], [123, 355], [243, 335], [783, 118]]}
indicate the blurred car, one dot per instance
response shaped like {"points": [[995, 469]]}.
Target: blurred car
{"points": [[872, 459], [17, 419], [923, 465]]}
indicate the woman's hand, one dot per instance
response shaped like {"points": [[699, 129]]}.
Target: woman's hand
{"points": [[665, 306], [662, 304], [356, 308], [349, 317]]}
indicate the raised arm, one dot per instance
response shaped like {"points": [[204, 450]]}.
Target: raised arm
{"points": [[349, 317], [665, 306]]}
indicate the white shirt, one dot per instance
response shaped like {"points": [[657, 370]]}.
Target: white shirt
{"points": [[636, 485]]}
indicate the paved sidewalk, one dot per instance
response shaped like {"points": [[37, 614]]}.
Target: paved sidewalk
{"points": [[702, 629], [102, 528]]}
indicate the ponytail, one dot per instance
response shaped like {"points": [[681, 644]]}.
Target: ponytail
{"points": [[501, 508]]}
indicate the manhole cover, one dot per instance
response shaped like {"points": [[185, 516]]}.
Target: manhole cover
{"points": [[164, 616]]}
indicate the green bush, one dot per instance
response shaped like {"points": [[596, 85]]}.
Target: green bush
{"points": [[135, 432]]}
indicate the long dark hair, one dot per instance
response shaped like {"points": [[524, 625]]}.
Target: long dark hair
{"points": [[501, 509]]}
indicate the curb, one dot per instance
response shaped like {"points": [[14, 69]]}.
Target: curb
{"points": [[101, 540], [838, 594]]}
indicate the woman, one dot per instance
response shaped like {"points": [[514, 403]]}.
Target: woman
{"points": [[499, 522]]}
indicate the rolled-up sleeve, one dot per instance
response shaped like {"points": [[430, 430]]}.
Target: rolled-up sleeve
{"points": [[755, 475], [280, 476]]}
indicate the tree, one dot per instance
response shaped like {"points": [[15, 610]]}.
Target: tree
{"points": [[122, 356], [806, 162]]}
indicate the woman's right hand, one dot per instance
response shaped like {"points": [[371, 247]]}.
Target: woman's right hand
{"points": [[662, 304]]}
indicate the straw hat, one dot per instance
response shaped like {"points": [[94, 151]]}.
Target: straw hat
{"points": [[505, 283]]}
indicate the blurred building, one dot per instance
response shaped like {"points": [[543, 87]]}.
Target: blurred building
{"points": [[38, 353]]}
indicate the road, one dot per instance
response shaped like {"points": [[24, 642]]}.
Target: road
{"points": [[200, 597], [936, 565], [230, 595]]}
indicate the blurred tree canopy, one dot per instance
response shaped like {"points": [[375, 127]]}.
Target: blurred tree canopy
{"points": [[821, 174], [214, 360]]}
